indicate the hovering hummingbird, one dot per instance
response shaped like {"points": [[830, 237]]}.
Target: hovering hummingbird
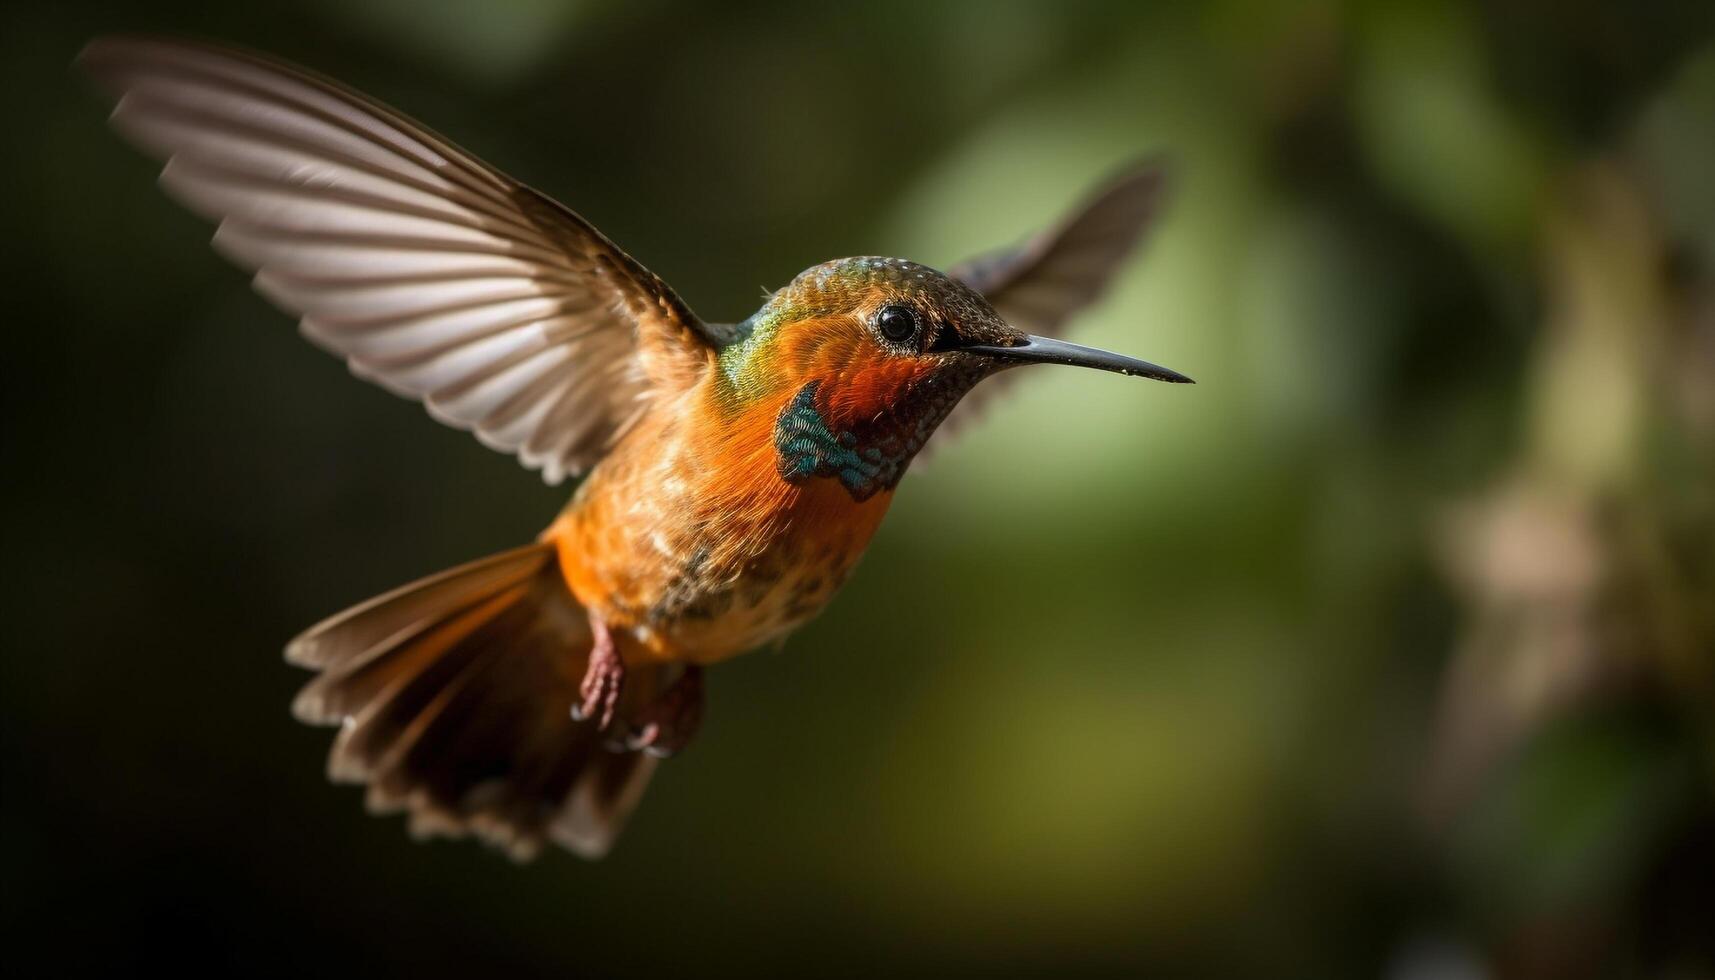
{"points": [[735, 473]]}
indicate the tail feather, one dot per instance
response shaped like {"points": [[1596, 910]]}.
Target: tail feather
{"points": [[361, 628], [385, 709], [454, 696], [359, 684]]}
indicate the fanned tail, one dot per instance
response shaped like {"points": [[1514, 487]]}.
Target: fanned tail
{"points": [[454, 698]]}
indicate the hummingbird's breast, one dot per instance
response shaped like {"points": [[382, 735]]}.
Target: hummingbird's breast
{"points": [[691, 545]]}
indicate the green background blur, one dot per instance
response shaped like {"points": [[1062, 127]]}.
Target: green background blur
{"points": [[1386, 650]]}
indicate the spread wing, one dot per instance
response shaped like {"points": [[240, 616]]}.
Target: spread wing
{"points": [[1040, 283], [430, 272], [1048, 278]]}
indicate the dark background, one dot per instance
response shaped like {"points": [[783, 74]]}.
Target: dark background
{"points": [[1384, 651]]}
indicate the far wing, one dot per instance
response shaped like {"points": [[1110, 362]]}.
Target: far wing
{"points": [[1041, 283]]}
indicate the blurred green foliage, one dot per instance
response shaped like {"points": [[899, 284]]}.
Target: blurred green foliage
{"points": [[1389, 649]]}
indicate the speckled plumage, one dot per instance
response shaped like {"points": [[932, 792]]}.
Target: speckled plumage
{"points": [[721, 526]]}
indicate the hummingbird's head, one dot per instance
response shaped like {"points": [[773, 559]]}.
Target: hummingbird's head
{"points": [[861, 358]]}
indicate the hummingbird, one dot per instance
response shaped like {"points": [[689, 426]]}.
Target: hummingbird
{"points": [[733, 474]]}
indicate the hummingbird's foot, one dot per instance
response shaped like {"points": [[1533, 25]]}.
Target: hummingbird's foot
{"points": [[665, 725], [604, 678]]}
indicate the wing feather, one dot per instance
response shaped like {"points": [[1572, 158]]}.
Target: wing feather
{"points": [[1049, 278], [1053, 275], [430, 272]]}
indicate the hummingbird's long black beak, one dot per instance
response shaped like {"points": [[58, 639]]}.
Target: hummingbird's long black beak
{"points": [[1047, 350]]}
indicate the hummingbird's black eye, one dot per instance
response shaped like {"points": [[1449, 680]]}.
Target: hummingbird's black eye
{"points": [[897, 323]]}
